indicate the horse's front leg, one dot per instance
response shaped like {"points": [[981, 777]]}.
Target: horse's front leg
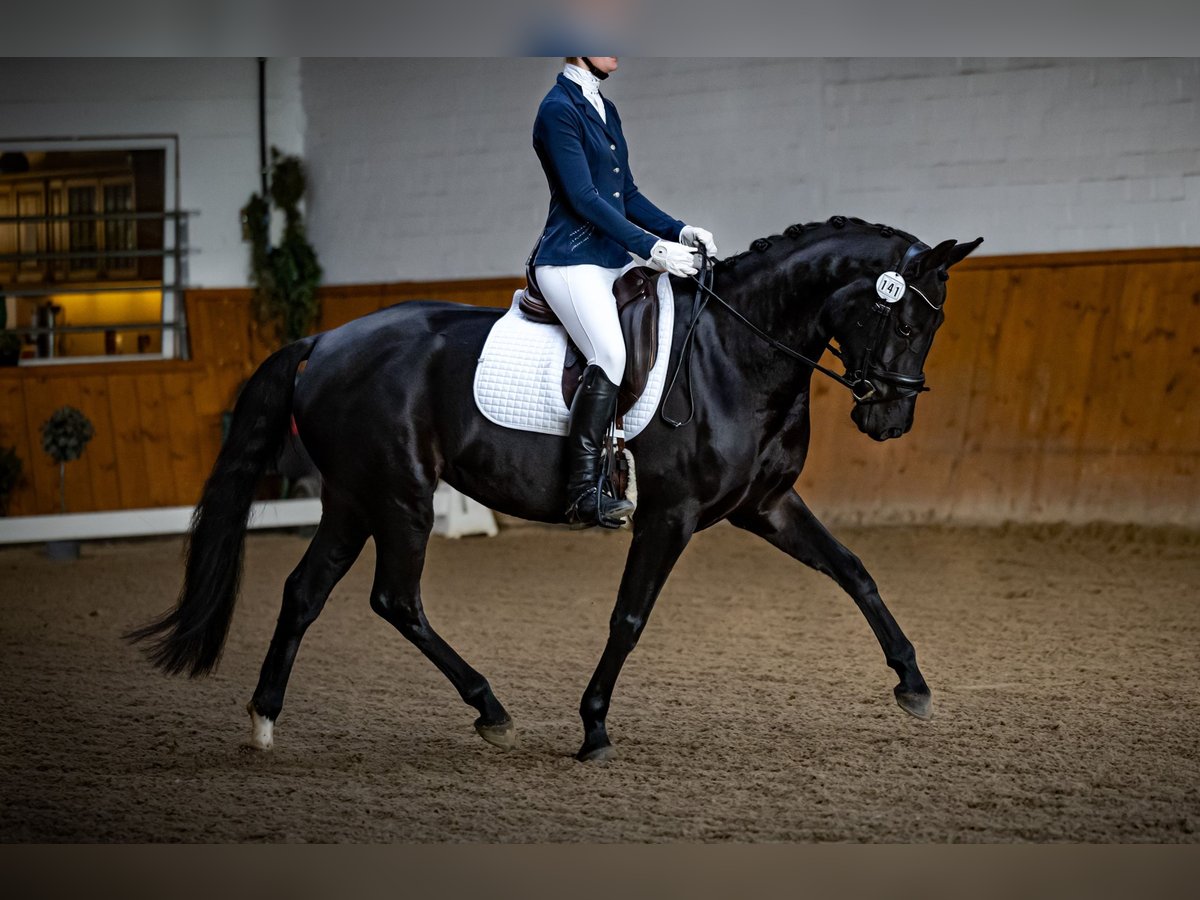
{"points": [[790, 525], [657, 543]]}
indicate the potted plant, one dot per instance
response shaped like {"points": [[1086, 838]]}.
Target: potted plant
{"points": [[10, 475], [285, 280], [285, 277], [64, 436]]}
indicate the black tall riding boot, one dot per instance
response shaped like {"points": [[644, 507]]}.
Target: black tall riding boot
{"points": [[592, 411]]}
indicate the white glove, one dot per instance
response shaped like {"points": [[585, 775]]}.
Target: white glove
{"points": [[667, 256], [691, 236]]}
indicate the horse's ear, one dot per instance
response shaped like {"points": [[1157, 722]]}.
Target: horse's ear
{"points": [[943, 256], [928, 260], [960, 252]]}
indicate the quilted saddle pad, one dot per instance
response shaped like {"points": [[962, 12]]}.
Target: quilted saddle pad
{"points": [[518, 382]]}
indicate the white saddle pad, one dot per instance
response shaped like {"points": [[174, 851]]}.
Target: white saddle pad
{"points": [[518, 382]]}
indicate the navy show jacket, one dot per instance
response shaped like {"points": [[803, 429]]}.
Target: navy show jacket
{"points": [[595, 207]]}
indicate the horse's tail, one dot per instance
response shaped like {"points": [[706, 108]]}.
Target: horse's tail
{"points": [[190, 637]]}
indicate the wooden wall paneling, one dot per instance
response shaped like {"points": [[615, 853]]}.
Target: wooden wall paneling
{"points": [[231, 334], [226, 333], [1087, 297], [1166, 343], [65, 392], [14, 432], [127, 433], [228, 352], [1143, 398], [1109, 437], [340, 305], [1154, 342], [1009, 374], [200, 325], [190, 455], [43, 396], [100, 456], [154, 431], [1066, 307], [213, 391], [1179, 426], [976, 299], [1064, 386], [40, 469]]}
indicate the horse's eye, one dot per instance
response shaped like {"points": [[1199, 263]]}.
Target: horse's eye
{"points": [[905, 329]]}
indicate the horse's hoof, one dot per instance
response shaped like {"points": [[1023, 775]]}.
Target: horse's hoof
{"points": [[604, 753], [262, 730], [919, 705], [503, 735]]}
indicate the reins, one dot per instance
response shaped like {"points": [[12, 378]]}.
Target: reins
{"points": [[908, 385], [706, 272]]}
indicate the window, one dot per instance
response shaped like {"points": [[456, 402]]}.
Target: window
{"points": [[91, 258]]}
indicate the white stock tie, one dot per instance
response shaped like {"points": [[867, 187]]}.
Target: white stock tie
{"points": [[589, 84]]}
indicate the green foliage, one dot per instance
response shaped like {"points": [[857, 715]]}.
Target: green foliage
{"points": [[66, 433], [284, 278], [11, 468]]}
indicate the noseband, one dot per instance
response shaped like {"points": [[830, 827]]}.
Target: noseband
{"points": [[865, 375]]}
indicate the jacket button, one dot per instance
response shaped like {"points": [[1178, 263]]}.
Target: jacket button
{"points": [[617, 170], [616, 193], [612, 146]]}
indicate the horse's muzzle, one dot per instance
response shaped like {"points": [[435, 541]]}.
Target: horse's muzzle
{"points": [[884, 420]]}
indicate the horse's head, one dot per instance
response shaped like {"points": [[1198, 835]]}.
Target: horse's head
{"points": [[884, 324]]}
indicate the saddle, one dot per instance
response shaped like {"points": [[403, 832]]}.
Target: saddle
{"points": [[637, 309]]}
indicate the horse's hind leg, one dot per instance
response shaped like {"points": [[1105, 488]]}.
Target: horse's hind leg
{"points": [[400, 538], [333, 550], [790, 525]]}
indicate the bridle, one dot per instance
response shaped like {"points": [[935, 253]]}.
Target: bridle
{"points": [[865, 375]]}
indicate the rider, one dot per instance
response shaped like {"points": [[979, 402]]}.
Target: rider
{"points": [[596, 220]]}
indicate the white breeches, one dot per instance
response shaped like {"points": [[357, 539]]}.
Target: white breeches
{"points": [[582, 298]]}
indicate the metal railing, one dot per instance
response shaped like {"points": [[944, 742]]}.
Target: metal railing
{"points": [[174, 321]]}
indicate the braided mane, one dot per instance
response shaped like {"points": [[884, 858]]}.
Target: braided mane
{"points": [[795, 231]]}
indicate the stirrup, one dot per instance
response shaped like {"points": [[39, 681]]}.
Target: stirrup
{"points": [[599, 518]]}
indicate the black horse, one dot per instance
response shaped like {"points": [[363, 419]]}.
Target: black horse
{"points": [[384, 406]]}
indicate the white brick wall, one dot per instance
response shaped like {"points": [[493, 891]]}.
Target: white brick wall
{"points": [[211, 104], [423, 169]]}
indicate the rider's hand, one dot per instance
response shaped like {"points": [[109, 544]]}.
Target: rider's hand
{"points": [[667, 256], [691, 236]]}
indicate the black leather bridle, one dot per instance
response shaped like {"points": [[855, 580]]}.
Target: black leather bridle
{"points": [[865, 375]]}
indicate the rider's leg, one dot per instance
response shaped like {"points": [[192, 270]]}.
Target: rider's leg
{"points": [[582, 298]]}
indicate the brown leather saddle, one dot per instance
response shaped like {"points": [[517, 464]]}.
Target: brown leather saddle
{"points": [[637, 308]]}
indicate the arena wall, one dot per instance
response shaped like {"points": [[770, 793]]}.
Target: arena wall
{"points": [[1064, 389], [1064, 379], [423, 169]]}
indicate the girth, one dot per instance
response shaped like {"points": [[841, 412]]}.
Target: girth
{"points": [[636, 296]]}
